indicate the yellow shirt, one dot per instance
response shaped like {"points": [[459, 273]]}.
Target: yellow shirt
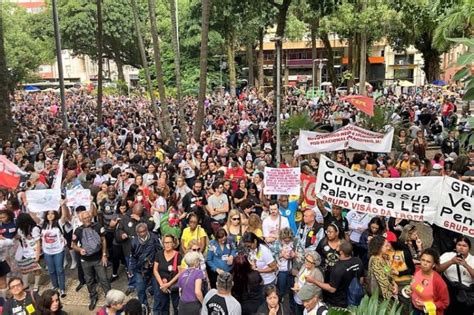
{"points": [[189, 235]]}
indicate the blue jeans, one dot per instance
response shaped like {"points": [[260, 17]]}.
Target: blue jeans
{"points": [[161, 304], [141, 284], [56, 270], [285, 281]]}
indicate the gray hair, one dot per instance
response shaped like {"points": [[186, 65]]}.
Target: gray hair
{"points": [[315, 255], [141, 225], [192, 259], [114, 297]]}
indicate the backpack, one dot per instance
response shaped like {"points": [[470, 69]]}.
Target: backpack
{"points": [[355, 292], [90, 241]]}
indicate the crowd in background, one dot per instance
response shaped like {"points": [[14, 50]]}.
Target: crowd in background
{"points": [[189, 226]]}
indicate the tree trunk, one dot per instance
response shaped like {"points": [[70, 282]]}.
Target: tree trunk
{"points": [[314, 52], [99, 62], [5, 109], [206, 11], [231, 64], [363, 55], [350, 62], [177, 71], [165, 114], [431, 68], [141, 47], [280, 32], [330, 63], [119, 64], [250, 65], [261, 78], [355, 57]]}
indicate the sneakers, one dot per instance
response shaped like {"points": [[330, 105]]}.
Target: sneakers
{"points": [[63, 293], [73, 265], [114, 278]]}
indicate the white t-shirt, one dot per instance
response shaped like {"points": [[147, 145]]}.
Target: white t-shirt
{"points": [[314, 311], [357, 220], [452, 272], [271, 227], [52, 241], [262, 258], [159, 202], [29, 243]]}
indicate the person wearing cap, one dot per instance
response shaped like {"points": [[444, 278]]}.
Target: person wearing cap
{"points": [[311, 301], [342, 273], [335, 216], [309, 270], [220, 300]]}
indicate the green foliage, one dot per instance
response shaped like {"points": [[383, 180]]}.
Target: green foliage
{"points": [[382, 117], [294, 124], [464, 74], [27, 43], [79, 29], [457, 19], [370, 305]]}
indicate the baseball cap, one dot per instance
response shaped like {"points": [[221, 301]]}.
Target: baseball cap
{"points": [[307, 292]]}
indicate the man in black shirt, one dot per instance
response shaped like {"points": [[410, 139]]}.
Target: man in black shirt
{"points": [[21, 302], [335, 217], [213, 174], [89, 241], [196, 198], [341, 276]]}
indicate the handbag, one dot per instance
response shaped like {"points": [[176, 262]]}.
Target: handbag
{"points": [[464, 294], [175, 287]]}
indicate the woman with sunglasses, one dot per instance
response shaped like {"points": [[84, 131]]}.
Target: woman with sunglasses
{"points": [[220, 256], [312, 260], [193, 232], [234, 228]]}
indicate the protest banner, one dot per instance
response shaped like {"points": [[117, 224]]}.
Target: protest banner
{"points": [[78, 197], [456, 206], [411, 198], [345, 137], [10, 174], [42, 200], [282, 181], [308, 183], [47, 199]]}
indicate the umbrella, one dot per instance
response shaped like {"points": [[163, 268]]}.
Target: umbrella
{"points": [[405, 83], [326, 84], [31, 88], [439, 82]]}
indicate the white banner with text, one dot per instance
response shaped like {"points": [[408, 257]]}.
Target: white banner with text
{"points": [[282, 181]]}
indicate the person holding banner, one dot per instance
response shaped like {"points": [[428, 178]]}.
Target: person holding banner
{"points": [[335, 216]]}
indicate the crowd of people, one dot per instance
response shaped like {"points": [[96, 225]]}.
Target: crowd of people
{"points": [[188, 223]]}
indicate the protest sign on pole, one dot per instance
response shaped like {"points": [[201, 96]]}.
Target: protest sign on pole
{"points": [[347, 136], [78, 197], [410, 198], [10, 174], [42, 200], [456, 206], [282, 181]]}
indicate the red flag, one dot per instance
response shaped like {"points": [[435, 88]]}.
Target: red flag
{"points": [[9, 173], [363, 103]]}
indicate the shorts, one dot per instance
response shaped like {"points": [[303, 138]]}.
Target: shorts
{"points": [[4, 268]]}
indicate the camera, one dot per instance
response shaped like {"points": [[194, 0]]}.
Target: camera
{"points": [[459, 255]]}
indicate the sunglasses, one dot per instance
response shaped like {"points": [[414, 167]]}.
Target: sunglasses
{"points": [[235, 219], [309, 261], [196, 249]]}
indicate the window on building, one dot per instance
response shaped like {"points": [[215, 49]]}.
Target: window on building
{"points": [[404, 59], [403, 74]]}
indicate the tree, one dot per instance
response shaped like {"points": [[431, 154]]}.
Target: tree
{"points": [[206, 10], [5, 110], [458, 19], [420, 20], [100, 64], [177, 68], [28, 42], [79, 29], [159, 72], [141, 47]]}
